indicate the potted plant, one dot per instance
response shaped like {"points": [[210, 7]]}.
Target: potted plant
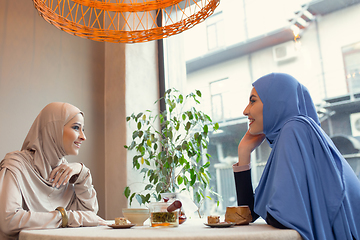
{"points": [[170, 149]]}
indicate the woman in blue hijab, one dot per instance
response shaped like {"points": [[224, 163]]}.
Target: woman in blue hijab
{"points": [[306, 185]]}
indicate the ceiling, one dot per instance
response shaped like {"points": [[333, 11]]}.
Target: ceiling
{"points": [[316, 7]]}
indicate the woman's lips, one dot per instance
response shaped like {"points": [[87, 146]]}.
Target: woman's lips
{"points": [[251, 121], [77, 144]]}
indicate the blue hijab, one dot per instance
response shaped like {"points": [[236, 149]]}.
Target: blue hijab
{"points": [[306, 185]]}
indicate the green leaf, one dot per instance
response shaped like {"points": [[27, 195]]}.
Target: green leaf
{"points": [[180, 180], [151, 176], [186, 180], [136, 158], [128, 119], [132, 145], [188, 125], [190, 115], [207, 117], [139, 115], [139, 198], [198, 93], [207, 164], [197, 197], [182, 160], [156, 179], [144, 170], [148, 187], [206, 129], [131, 198], [159, 187], [147, 198], [181, 98], [216, 126], [139, 125], [205, 178], [187, 166], [127, 192], [193, 180], [135, 134]]}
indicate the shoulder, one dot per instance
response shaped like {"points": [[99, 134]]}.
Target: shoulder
{"points": [[298, 135], [15, 160], [296, 127]]}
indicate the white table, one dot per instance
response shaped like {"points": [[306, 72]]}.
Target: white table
{"points": [[190, 230]]}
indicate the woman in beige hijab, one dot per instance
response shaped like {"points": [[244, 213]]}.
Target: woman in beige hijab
{"points": [[38, 187]]}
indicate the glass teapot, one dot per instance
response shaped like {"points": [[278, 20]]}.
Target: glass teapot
{"points": [[167, 213]]}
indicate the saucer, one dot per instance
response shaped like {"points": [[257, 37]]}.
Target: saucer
{"points": [[121, 226], [219, 225]]}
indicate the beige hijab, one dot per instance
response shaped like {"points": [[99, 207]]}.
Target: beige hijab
{"points": [[41, 152], [45, 137]]}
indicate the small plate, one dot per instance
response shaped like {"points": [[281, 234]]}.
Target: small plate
{"points": [[219, 225], [121, 226]]}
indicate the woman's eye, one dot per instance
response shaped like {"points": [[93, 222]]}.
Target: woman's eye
{"points": [[77, 128]]}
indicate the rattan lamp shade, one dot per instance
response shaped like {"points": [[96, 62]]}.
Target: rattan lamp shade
{"points": [[125, 21]]}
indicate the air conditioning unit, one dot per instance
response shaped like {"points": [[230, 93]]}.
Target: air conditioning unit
{"points": [[355, 124], [284, 52]]}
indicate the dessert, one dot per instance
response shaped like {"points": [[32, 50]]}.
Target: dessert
{"points": [[240, 215], [121, 221], [213, 219]]}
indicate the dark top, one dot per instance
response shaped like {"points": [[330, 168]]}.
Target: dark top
{"points": [[245, 196]]}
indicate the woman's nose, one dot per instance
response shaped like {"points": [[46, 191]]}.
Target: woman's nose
{"points": [[246, 110], [82, 136]]}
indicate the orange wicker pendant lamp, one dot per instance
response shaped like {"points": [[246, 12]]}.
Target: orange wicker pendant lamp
{"points": [[125, 21]]}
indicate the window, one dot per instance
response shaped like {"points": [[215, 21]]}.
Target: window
{"points": [[224, 100], [233, 47], [214, 31], [351, 56]]}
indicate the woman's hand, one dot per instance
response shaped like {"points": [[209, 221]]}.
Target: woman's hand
{"points": [[62, 173], [102, 222], [247, 144]]}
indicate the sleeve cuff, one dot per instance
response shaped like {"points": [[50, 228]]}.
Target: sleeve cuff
{"points": [[83, 174], [242, 168]]}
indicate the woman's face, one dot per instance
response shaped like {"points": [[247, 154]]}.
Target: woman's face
{"points": [[74, 135], [254, 112]]}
